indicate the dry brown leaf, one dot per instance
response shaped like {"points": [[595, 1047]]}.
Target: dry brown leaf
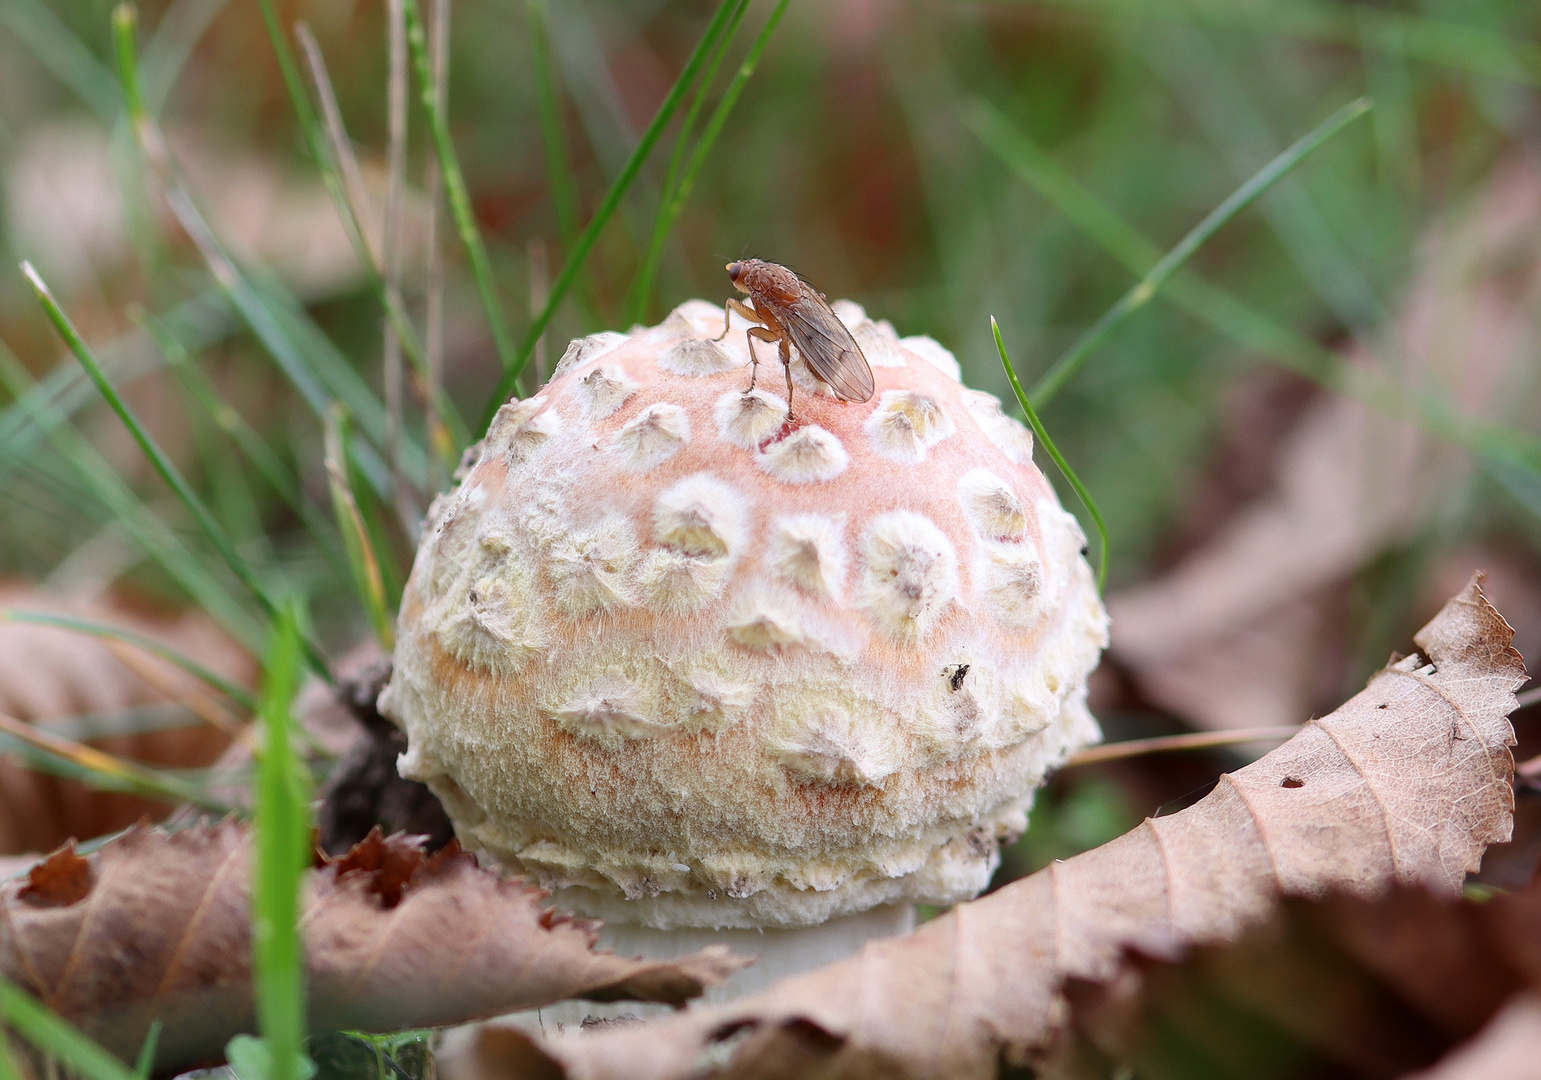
{"points": [[161, 929], [1407, 782], [1344, 987], [47, 673], [1234, 635]]}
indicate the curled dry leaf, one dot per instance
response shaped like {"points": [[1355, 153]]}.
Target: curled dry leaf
{"points": [[157, 925], [1343, 987], [1407, 782]]}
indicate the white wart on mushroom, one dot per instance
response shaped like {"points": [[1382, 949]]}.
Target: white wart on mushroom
{"points": [[690, 667]]}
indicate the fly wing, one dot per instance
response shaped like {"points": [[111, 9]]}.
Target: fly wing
{"points": [[827, 347]]}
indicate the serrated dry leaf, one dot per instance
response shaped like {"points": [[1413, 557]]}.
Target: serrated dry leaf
{"points": [[47, 673], [1407, 782], [393, 940], [1342, 987]]}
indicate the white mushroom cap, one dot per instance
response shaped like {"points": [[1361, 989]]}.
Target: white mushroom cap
{"points": [[688, 668]]}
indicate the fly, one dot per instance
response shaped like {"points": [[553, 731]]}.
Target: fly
{"points": [[787, 311]]}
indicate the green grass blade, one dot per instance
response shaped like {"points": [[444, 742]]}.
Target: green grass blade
{"points": [[125, 25], [298, 332], [612, 201], [201, 321], [139, 720], [52, 1034], [1059, 459], [1198, 74], [455, 188], [317, 373], [8, 1069], [560, 177], [240, 431], [98, 769], [1132, 301], [1034, 165], [236, 693], [162, 464], [172, 45], [302, 352], [642, 284], [72, 63], [1225, 314], [553, 130], [371, 249], [1410, 35], [719, 117], [144, 1064], [283, 841], [364, 564], [147, 530]]}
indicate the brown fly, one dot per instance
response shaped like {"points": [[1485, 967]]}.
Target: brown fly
{"points": [[789, 311]]}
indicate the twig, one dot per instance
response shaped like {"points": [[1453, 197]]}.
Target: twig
{"points": [[1200, 740], [342, 149], [441, 447]]}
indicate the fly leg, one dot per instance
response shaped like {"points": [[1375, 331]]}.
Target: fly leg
{"points": [[736, 305], [759, 333], [786, 365]]}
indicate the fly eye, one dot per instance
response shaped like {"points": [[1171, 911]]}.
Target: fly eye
{"points": [[734, 269]]}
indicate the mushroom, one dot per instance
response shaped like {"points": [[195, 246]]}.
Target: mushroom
{"points": [[708, 675]]}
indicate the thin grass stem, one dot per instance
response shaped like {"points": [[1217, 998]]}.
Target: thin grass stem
{"points": [[396, 170], [367, 577], [442, 449], [373, 256], [1163, 744], [1144, 290], [356, 194], [540, 286], [1059, 459], [193, 700], [455, 188], [612, 201]]}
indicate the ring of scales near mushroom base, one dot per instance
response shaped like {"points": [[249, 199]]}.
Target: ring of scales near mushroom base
{"points": [[690, 665]]}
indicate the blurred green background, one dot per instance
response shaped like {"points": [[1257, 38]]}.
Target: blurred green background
{"points": [[866, 151]]}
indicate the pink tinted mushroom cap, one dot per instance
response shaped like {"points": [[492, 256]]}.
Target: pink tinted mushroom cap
{"points": [[689, 666]]}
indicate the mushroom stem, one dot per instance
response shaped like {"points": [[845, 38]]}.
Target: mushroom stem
{"points": [[778, 953]]}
